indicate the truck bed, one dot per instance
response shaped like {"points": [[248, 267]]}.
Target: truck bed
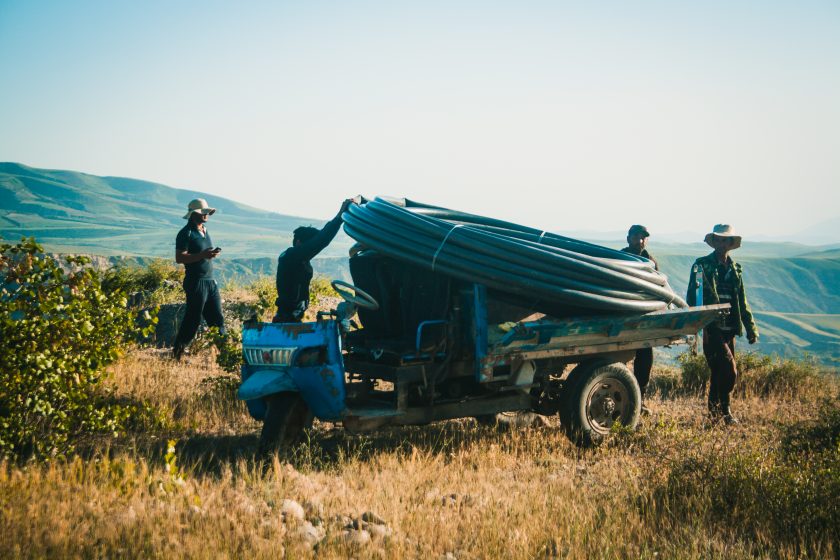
{"points": [[593, 335]]}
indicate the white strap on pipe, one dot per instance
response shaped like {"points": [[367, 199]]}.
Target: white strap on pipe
{"points": [[539, 240], [442, 243]]}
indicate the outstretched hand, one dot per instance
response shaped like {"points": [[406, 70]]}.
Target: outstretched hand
{"points": [[346, 204]]}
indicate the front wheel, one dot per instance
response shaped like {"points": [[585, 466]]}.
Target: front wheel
{"points": [[596, 398], [287, 416]]}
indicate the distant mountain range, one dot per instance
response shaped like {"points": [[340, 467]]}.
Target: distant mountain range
{"points": [[793, 287]]}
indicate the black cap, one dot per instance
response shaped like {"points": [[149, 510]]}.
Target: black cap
{"points": [[638, 229]]}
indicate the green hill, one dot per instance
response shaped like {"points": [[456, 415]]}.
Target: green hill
{"points": [[76, 212], [794, 289]]}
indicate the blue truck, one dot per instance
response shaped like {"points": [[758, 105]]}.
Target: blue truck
{"points": [[431, 347]]}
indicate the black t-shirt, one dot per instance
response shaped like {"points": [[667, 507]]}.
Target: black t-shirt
{"points": [[189, 239], [643, 253], [294, 273]]}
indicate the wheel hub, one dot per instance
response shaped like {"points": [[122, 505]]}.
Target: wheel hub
{"points": [[607, 402]]}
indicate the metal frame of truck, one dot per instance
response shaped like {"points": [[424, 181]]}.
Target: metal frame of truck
{"points": [[458, 367]]}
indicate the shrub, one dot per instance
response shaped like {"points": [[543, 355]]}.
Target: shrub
{"points": [[154, 284], [695, 372], [59, 330], [758, 375], [783, 496], [816, 436], [266, 293], [765, 375], [320, 287]]}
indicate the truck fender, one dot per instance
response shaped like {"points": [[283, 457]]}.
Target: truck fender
{"points": [[263, 383]]}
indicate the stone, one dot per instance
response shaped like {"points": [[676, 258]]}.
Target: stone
{"points": [[379, 532], [291, 510], [355, 537], [371, 517], [309, 534]]}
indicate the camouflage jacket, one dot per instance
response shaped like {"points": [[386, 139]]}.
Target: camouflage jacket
{"points": [[741, 312]]}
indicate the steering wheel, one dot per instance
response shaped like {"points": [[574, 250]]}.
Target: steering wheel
{"points": [[356, 297]]}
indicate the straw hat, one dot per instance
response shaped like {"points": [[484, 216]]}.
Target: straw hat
{"points": [[198, 205], [723, 231]]}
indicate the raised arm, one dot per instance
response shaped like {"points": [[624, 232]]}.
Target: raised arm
{"points": [[308, 249]]}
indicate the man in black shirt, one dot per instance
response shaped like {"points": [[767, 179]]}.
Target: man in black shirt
{"points": [[636, 245], [194, 249], [294, 273]]}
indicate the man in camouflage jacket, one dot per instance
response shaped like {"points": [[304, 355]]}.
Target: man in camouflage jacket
{"points": [[722, 283]]}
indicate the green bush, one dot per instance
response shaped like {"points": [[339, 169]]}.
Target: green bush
{"points": [[695, 372], [320, 287], [758, 375], [228, 347], [59, 331], [781, 496], [816, 436], [762, 376], [158, 282], [266, 292]]}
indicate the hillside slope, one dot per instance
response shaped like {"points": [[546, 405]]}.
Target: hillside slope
{"points": [[77, 212], [789, 285]]}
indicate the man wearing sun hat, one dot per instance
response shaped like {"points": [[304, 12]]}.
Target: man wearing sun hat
{"points": [[637, 245], [722, 283], [194, 249]]}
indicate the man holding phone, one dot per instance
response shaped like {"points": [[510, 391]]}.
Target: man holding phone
{"points": [[194, 249]]}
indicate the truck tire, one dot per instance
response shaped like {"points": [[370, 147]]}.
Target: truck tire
{"points": [[287, 416], [596, 396]]}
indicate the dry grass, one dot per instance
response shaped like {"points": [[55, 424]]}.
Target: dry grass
{"points": [[452, 488]]}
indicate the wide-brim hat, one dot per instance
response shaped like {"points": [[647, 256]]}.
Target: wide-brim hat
{"points": [[723, 231], [198, 205]]}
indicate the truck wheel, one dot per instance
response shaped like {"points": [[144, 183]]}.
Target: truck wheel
{"points": [[286, 417], [595, 397]]}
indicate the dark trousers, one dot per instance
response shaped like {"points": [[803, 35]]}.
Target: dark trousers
{"points": [[719, 349], [202, 300], [641, 367]]}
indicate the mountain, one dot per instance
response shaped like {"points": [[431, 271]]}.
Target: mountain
{"points": [[793, 288], [69, 211], [820, 234]]}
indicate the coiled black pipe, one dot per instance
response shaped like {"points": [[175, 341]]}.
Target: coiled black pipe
{"points": [[536, 268]]}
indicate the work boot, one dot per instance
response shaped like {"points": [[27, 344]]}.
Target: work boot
{"points": [[728, 418]]}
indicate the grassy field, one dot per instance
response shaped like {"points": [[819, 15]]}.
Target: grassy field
{"points": [[678, 487]]}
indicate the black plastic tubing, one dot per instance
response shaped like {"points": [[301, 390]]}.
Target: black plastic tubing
{"points": [[526, 263]]}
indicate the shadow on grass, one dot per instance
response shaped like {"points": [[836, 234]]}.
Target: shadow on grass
{"points": [[328, 448]]}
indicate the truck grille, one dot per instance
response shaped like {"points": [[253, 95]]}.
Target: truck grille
{"points": [[268, 356]]}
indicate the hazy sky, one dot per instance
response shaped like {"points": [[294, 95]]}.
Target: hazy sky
{"points": [[565, 116]]}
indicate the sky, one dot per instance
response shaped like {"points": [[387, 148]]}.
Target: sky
{"points": [[567, 116]]}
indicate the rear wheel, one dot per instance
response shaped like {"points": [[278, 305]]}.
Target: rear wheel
{"points": [[596, 397], [287, 417]]}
